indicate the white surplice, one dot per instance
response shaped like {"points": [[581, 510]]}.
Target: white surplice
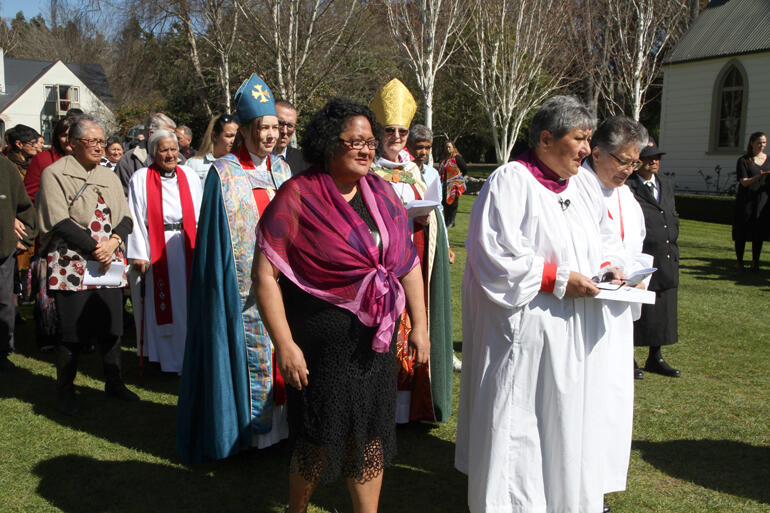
{"points": [[164, 344], [520, 432], [609, 371]]}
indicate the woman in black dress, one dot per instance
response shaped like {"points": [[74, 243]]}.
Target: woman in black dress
{"points": [[334, 267], [752, 212]]}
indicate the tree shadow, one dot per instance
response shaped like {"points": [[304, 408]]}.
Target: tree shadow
{"points": [[717, 269], [422, 477], [726, 466], [143, 425]]}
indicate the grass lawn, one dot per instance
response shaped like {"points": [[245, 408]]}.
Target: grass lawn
{"points": [[701, 442]]}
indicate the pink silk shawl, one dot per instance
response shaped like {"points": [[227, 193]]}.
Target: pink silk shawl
{"points": [[316, 239]]}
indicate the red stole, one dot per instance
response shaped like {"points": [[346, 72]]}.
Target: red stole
{"points": [[157, 236], [262, 200]]}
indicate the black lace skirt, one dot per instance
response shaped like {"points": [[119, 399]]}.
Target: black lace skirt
{"points": [[343, 422]]}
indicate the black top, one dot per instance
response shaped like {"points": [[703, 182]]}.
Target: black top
{"points": [[343, 422], [751, 203]]}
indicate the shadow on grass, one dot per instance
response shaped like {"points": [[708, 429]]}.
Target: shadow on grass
{"points": [[422, 478], [78, 484], [144, 425], [91, 364], [717, 269], [726, 466]]}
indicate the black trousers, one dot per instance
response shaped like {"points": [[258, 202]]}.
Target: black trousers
{"points": [[7, 308], [87, 314]]}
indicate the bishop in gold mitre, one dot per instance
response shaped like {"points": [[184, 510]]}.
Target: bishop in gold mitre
{"points": [[394, 105]]}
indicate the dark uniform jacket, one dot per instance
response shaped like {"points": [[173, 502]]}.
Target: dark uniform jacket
{"points": [[295, 160], [662, 223]]}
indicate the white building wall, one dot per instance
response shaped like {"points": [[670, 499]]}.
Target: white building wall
{"points": [[26, 110], [685, 121]]}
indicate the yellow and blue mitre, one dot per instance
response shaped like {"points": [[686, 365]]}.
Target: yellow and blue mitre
{"points": [[253, 100], [394, 105]]}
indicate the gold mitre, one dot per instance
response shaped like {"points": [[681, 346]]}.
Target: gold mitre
{"points": [[394, 105]]}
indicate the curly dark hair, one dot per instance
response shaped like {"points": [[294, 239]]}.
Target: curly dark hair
{"points": [[321, 135]]}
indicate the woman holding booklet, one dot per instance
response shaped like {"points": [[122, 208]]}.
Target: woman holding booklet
{"points": [[530, 321], [84, 219]]}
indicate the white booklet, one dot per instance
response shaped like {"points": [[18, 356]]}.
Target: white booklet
{"points": [[639, 276], [612, 292], [423, 207], [95, 276]]}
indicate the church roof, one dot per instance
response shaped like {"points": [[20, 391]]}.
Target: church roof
{"points": [[20, 74], [724, 28]]}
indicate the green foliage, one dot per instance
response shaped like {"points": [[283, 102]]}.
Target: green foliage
{"points": [[712, 209]]}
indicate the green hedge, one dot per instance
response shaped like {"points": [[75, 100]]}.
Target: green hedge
{"points": [[713, 209]]}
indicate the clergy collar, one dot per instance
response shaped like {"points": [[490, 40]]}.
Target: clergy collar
{"points": [[542, 173]]}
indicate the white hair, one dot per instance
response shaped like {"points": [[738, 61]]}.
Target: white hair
{"points": [[155, 139]]}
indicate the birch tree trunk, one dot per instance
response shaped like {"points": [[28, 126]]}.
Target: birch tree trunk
{"points": [[426, 33], [306, 39], [512, 56]]}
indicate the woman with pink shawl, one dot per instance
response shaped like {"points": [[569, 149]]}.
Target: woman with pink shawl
{"points": [[334, 268]]}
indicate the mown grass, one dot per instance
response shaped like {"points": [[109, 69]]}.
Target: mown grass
{"points": [[701, 442]]}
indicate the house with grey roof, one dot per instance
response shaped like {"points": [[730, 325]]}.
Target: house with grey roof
{"points": [[39, 93], [716, 92]]}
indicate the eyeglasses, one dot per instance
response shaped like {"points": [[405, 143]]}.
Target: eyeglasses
{"points": [[635, 166], [285, 124], [391, 130], [90, 143], [358, 145]]}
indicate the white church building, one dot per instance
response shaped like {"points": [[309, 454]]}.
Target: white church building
{"points": [[39, 93], [716, 92]]}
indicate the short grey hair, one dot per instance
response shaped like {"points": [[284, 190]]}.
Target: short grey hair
{"points": [[157, 121], [155, 139], [617, 132], [559, 115], [185, 130], [81, 124], [419, 133]]}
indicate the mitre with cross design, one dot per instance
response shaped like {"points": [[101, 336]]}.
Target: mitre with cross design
{"points": [[253, 100]]}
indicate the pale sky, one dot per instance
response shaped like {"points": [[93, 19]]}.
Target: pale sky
{"points": [[9, 8]]}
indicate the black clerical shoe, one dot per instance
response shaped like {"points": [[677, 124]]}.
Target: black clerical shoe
{"points": [[66, 402], [606, 508], [119, 390], [659, 366], [638, 374]]}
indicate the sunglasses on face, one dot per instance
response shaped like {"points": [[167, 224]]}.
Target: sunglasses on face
{"points": [[391, 130]]}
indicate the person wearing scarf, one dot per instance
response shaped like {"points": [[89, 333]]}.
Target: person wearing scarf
{"points": [[335, 267], [530, 321], [424, 393], [230, 397], [165, 202]]}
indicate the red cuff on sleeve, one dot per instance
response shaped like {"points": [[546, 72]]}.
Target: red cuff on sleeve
{"points": [[549, 278]]}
